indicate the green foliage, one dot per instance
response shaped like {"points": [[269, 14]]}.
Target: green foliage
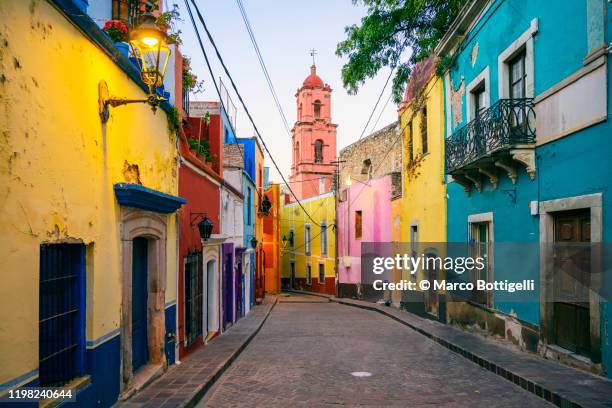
{"points": [[392, 29], [190, 80], [201, 148], [167, 22], [174, 121]]}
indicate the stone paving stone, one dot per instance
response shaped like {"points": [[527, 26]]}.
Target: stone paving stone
{"points": [[182, 385], [553, 381], [306, 351]]}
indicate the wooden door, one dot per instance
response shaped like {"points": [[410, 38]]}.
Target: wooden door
{"points": [[571, 281], [140, 349]]}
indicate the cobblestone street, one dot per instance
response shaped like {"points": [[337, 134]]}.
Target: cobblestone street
{"points": [[307, 350]]}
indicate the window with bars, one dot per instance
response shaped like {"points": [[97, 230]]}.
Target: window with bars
{"points": [[193, 275], [323, 239], [61, 333], [307, 239], [321, 273], [424, 147], [410, 143], [308, 274]]}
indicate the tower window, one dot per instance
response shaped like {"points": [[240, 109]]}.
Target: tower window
{"points": [[318, 151], [317, 108]]}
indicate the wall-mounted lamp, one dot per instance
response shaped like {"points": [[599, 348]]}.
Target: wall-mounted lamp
{"points": [[205, 226], [265, 206], [253, 242], [149, 47]]}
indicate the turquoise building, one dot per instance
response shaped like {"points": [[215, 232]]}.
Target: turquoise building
{"points": [[527, 90]]}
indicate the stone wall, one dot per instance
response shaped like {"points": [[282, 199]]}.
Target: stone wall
{"points": [[382, 148]]}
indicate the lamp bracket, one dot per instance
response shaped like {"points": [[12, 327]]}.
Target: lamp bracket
{"points": [[104, 101], [194, 217]]}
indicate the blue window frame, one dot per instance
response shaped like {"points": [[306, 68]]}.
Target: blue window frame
{"points": [[249, 205], [61, 313]]}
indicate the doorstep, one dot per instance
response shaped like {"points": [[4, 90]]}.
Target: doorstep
{"points": [[184, 384], [557, 383]]}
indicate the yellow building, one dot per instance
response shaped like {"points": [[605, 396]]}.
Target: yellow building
{"points": [[421, 214], [308, 247], [88, 242]]}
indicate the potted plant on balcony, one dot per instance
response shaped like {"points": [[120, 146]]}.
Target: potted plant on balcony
{"points": [[118, 33]]}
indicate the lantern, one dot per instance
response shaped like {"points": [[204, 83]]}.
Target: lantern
{"points": [[253, 242], [265, 206], [205, 227], [150, 48]]}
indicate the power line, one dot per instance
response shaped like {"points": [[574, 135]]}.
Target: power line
{"points": [[376, 104], [381, 112], [263, 65], [239, 96], [408, 122]]}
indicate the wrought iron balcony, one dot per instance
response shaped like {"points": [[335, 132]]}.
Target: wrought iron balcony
{"points": [[497, 137]]}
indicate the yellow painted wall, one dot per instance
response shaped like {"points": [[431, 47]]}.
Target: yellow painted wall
{"points": [[424, 192], [322, 208], [58, 164]]}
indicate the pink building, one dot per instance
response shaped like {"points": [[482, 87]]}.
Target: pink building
{"points": [[364, 215], [314, 139]]}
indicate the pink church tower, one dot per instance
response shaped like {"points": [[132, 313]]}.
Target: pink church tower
{"points": [[314, 139]]}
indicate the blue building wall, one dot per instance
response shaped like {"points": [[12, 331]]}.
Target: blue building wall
{"points": [[574, 165]]}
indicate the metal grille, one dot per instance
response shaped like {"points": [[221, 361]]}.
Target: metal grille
{"points": [[61, 311], [507, 123], [193, 298]]}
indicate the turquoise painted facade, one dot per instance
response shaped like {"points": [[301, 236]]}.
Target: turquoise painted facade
{"points": [[567, 82]]}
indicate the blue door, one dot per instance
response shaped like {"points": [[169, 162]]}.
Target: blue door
{"points": [[140, 349]]}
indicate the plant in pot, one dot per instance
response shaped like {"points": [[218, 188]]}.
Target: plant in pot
{"points": [[118, 33]]}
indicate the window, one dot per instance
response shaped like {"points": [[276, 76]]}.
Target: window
{"points": [[424, 130], [307, 239], [357, 224], [410, 143], [323, 239], [321, 185], [297, 152], [308, 274], [367, 168], [517, 87], [61, 332], [480, 240], [414, 243], [317, 109], [249, 206], [321, 274], [517, 76], [291, 238], [478, 98], [193, 297], [318, 151]]}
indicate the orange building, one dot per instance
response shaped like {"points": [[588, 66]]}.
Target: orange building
{"points": [[271, 240]]}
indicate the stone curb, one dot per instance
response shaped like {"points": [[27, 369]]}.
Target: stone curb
{"points": [[211, 378], [228, 362], [556, 397]]}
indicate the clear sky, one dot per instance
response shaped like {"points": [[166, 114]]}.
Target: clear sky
{"points": [[285, 30]]}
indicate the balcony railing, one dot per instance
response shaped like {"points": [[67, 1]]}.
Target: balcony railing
{"points": [[507, 124]]}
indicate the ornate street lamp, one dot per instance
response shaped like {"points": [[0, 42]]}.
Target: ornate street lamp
{"points": [[265, 206], [253, 242], [205, 226], [149, 46]]}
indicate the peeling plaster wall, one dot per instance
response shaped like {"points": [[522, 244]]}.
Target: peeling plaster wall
{"points": [[424, 195], [58, 164]]}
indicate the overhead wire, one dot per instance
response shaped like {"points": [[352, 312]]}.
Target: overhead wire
{"points": [[251, 33], [210, 38]]}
